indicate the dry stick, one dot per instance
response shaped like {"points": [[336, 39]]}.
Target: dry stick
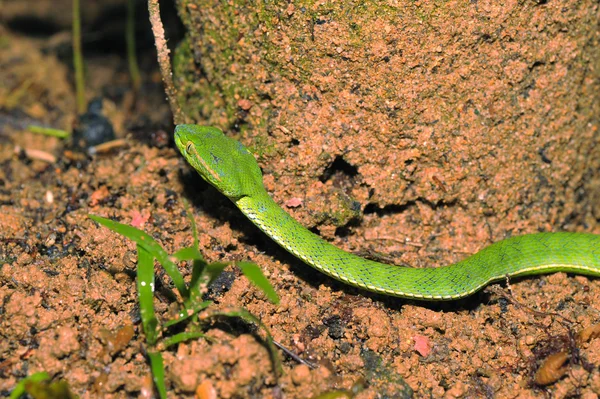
{"points": [[510, 298], [294, 356], [164, 61], [563, 321]]}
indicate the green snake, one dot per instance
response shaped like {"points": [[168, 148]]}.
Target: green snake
{"points": [[231, 168]]}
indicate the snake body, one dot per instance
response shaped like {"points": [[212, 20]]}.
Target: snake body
{"points": [[232, 169]]}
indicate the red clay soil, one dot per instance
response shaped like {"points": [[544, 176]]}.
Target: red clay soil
{"points": [[417, 133]]}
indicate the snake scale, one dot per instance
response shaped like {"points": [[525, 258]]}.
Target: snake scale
{"points": [[231, 168]]}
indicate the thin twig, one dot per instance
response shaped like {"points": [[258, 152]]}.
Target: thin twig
{"points": [[510, 298], [36, 154], [164, 61], [294, 356]]}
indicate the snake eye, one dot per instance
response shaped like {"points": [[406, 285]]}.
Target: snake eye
{"points": [[188, 148]]}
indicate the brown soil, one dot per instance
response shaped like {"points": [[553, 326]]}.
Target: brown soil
{"points": [[469, 134]]}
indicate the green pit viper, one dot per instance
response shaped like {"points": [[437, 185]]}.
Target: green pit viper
{"points": [[231, 168]]}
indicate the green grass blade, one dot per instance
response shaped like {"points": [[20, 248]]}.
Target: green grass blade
{"points": [[48, 131], [192, 222], [158, 373], [20, 387], [146, 241], [134, 70], [188, 253], [78, 58], [145, 286], [182, 337], [187, 313], [256, 276], [250, 318], [199, 264], [214, 270], [197, 278]]}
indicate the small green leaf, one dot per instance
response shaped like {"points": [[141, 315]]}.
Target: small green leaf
{"points": [[188, 253], [20, 387], [214, 270], [185, 314], [48, 131], [182, 337], [255, 275], [145, 286], [197, 278], [192, 222], [149, 244], [158, 373]]}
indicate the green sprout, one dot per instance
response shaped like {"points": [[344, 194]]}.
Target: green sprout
{"points": [[194, 308], [38, 386]]}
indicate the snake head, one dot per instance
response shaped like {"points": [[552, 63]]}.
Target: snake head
{"points": [[222, 161]]}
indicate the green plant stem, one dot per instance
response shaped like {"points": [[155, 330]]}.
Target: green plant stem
{"points": [[158, 373], [48, 131], [145, 286], [20, 390], [78, 59], [134, 70]]}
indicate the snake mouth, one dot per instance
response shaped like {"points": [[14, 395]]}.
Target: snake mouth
{"points": [[177, 136]]}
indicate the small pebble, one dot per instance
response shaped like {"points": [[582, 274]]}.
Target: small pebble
{"points": [[301, 375]]}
